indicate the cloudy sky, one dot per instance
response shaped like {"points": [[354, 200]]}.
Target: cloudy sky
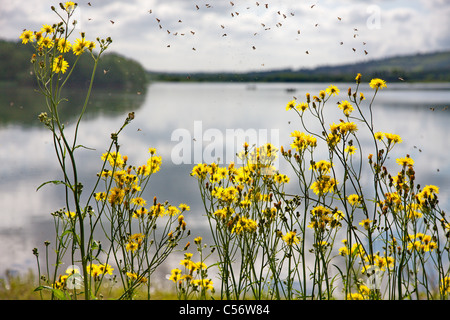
{"points": [[242, 35]]}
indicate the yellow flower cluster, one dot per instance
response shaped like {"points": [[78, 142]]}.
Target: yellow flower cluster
{"points": [[126, 191], [365, 223], [236, 190], [322, 166], [324, 184], [135, 242], [244, 225], [95, 270], [428, 193], [193, 270], [356, 249], [323, 218], [61, 283], [354, 199], [404, 162], [346, 107], [133, 276], [299, 106], [381, 262], [421, 242], [390, 137], [303, 141], [343, 128], [259, 158], [53, 37], [362, 294], [290, 238], [445, 286]]}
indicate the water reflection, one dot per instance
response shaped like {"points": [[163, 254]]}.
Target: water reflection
{"points": [[27, 154], [22, 105]]}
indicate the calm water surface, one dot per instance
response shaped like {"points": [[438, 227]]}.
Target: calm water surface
{"points": [[205, 113]]}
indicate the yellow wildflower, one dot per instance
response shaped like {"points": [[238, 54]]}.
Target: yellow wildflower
{"points": [[184, 207], [114, 159], [290, 238], [173, 211], [302, 106], [175, 275], [332, 90], [69, 6], [138, 201], [323, 218], [90, 45], [333, 139], [135, 276], [132, 246], [26, 36], [355, 296], [322, 166], [445, 285], [346, 107], [203, 283], [158, 210], [116, 196], [281, 178], [140, 212], [353, 199], [324, 184], [45, 42], [71, 214], [290, 105], [377, 84], [153, 165], [302, 141], [64, 45], [244, 224], [431, 189], [79, 46], [378, 135], [365, 223], [106, 269], [350, 149], [94, 270], [47, 29], [407, 161], [393, 138]]}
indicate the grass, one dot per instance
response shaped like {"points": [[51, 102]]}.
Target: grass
{"points": [[21, 287]]}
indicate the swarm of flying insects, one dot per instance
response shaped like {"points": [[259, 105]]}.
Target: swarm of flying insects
{"points": [[271, 15]]}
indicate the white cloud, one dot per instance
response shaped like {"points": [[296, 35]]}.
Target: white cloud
{"points": [[404, 27]]}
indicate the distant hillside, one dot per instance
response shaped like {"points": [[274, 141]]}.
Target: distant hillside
{"points": [[430, 67], [113, 70]]}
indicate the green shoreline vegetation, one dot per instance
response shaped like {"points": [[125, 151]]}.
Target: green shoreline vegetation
{"points": [[114, 70], [428, 67], [21, 286], [123, 73]]}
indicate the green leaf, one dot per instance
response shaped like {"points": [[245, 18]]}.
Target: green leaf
{"points": [[57, 293], [81, 146], [69, 231], [56, 182]]}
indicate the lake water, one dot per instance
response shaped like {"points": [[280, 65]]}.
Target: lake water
{"points": [[200, 113]]}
